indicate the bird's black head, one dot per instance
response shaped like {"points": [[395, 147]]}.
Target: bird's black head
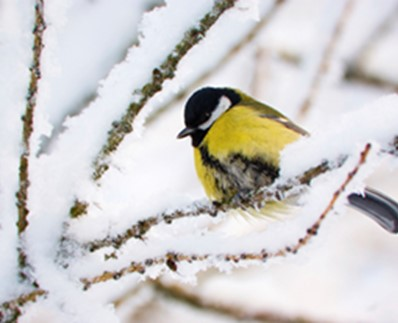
{"points": [[203, 108]]}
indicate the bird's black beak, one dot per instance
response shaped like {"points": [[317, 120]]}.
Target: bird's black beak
{"points": [[185, 132]]}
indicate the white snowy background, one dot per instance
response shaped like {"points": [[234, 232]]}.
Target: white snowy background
{"points": [[96, 53]]}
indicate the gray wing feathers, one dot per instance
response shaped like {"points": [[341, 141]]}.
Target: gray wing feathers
{"points": [[378, 207]]}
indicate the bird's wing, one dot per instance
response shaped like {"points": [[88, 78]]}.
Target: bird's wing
{"points": [[266, 111], [287, 123]]}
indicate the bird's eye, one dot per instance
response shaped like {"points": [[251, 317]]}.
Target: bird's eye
{"points": [[207, 115]]}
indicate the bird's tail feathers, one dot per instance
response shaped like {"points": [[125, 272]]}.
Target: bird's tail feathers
{"points": [[378, 207]]}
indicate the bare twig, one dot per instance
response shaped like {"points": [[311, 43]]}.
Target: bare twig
{"points": [[356, 75], [182, 295], [356, 70], [172, 260], [326, 59], [393, 149]]}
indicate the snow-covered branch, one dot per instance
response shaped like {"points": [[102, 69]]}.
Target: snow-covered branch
{"points": [[11, 310], [28, 118], [173, 260], [22, 195]]}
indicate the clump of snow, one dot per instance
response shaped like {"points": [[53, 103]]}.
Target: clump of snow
{"points": [[375, 122]]}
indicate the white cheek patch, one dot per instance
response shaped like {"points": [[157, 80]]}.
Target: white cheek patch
{"points": [[223, 105]]}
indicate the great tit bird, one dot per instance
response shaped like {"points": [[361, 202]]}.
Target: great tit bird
{"points": [[237, 142]]}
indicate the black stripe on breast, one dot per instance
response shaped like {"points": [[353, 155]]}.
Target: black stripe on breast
{"points": [[256, 164], [211, 161], [239, 173], [221, 177]]}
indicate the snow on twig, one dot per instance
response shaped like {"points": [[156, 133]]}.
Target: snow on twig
{"points": [[11, 310], [27, 119], [28, 127]]}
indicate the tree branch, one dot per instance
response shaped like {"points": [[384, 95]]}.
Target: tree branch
{"points": [[11, 310], [356, 69], [327, 57], [35, 73], [28, 119], [180, 294]]}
